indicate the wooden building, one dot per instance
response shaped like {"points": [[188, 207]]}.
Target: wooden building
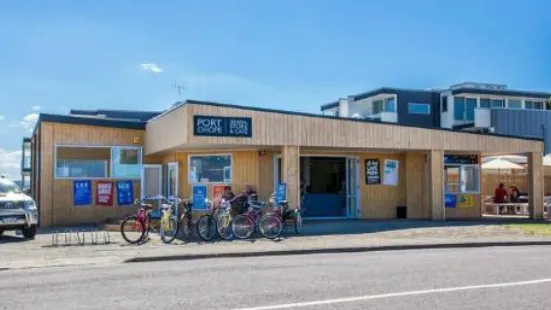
{"points": [[332, 167]]}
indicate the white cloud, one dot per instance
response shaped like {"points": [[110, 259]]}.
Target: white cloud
{"points": [[28, 122], [36, 108], [1, 117], [10, 163], [151, 68]]}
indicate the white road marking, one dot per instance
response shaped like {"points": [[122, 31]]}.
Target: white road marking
{"points": [[391, 295]]}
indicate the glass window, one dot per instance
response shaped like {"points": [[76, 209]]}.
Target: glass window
{"points": [[514, 104], [377, 106], [470, 179], [485, 103], [451, 179], [81, 168], [390, 105], [418, 108], [497, 103], [445, 104], [458, 108], [126, 162], [533, 105], [470, 105], [210, 169]]}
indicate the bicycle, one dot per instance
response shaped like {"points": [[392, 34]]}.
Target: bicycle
{"points": [[271, 225], [135, 228], [246, 224], [185, 224], [224, 220]]}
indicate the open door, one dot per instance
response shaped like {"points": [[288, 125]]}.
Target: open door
{"points": [[352, 187], [152, 185]]}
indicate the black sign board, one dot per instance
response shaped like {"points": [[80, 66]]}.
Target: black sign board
{"points": [[219, 126], [460, 159], [372, 171]]}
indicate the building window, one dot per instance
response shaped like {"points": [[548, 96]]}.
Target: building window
{"points": [[485, 103], [462, 179], [126, 162], [81, 168], [463, 108], [390, 104], [377, 107], [210, 169], [419, 108], [514, 104], [445, 104], [533, 105], [497, 103], [470, 105]]}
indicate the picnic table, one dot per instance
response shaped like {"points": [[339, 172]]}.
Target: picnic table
{"points": [[521, 206]]}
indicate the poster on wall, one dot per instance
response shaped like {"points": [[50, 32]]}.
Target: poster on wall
{"points": [[450, 200], [125, 193], [217, 191], [104, 193], [372, 171], [391, 172], [82, 192], [465, 201], [281, 192], [199, 196]]}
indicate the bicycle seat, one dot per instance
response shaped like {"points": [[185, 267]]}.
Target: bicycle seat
{"points": [[147, 206]]}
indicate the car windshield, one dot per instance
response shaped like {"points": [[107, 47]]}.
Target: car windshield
{"points": [[8, 187]]}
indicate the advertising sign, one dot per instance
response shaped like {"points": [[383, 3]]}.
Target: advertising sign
{"points": [[125, 193], [218, 126], [465, 201], [104, 193], [450, 200], [217, 191], [281, 192], [199, 196], [391, 172], [372, 171], [82, 192]]}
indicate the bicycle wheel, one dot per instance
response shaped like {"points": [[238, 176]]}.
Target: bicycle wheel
{"points": [[169, 229], [243, 227], [270, 226], [206, 227], [224, 226], [297, 222], [132, 230]]}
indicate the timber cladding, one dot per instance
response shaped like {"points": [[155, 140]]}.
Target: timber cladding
{"points": [[271, 128], [55, 198]]}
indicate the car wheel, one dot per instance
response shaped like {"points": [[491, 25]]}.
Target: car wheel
{"points": [[29, 232]]}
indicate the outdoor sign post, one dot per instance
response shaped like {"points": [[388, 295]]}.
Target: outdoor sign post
{"points": [[199, 197], [281, 192]]}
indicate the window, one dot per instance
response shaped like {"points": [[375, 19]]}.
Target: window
{"points": [[463, 108], [445, 104], [377, 107], [497, 103], [514, 104], [462, 179], [126, 162], [419, 108], [485, 103], [390, 104], [533, 105], [81, 168], [210, 169], [470, 105]]}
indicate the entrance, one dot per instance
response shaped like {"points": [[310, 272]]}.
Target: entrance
{"points": [[329, 186], [151, 185]]}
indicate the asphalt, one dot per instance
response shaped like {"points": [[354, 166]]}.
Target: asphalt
{"points": [[470, 278]]}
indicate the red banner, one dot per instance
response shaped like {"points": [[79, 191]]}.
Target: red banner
{"points": [[217, 191], [104, 193]]}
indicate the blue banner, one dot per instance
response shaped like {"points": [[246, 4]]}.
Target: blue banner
{"points": [[82, 192], [281, 192], [199, 196], [450, 200], [125, 193]]}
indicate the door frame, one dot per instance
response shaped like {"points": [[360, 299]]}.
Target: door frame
{"points": [[173, 164], [349, 213]]}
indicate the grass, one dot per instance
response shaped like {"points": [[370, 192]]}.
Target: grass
{"points": [[536, 229]]}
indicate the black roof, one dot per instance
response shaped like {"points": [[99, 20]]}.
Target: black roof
{"points": [[502, 92], [142, 116], [91, 121]]}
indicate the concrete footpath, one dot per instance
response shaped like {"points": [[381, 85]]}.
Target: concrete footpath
{"points": [[334, 237]]}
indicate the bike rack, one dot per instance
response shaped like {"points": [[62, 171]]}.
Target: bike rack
{"points": [[79, 237]]}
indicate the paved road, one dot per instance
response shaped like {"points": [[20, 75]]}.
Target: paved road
{"points": [[488, 278]]}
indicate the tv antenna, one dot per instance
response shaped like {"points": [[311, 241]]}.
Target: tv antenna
{"points": [[180, 88]]}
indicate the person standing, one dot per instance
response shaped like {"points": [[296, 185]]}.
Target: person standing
{"points": [[500, 196]]}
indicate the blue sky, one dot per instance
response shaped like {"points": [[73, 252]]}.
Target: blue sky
{"points": [[285, 54]]}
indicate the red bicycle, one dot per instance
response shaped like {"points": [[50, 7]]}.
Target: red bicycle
{"points": [[246, 224], [271, 224]]}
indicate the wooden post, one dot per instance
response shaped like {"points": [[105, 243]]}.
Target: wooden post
{"points": [[435, 162], [535, 185], [290, 162]]}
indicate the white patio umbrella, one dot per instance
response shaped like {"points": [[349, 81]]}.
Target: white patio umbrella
{"points": [[547, 160], [500, 163]]}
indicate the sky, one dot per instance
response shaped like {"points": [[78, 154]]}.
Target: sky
{"points": [[287, 54]]}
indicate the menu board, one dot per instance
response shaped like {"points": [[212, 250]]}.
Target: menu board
{"points": [[372, 171]]}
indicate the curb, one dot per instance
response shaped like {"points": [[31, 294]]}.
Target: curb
{"points": [[336, 250]]}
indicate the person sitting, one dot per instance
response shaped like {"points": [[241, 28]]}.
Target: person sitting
{"points": [[515, 197], [500, 195], [239, 202]]}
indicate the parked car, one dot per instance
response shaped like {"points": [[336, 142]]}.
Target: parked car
{"points": [[17, 210]]}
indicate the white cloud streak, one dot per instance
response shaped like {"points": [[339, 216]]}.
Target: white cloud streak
{"points": [[10, 163], [151, 67], [28, 122], [36, 108]]}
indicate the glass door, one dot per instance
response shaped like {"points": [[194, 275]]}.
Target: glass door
{"points": [[352, 187], [152, 186]]}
